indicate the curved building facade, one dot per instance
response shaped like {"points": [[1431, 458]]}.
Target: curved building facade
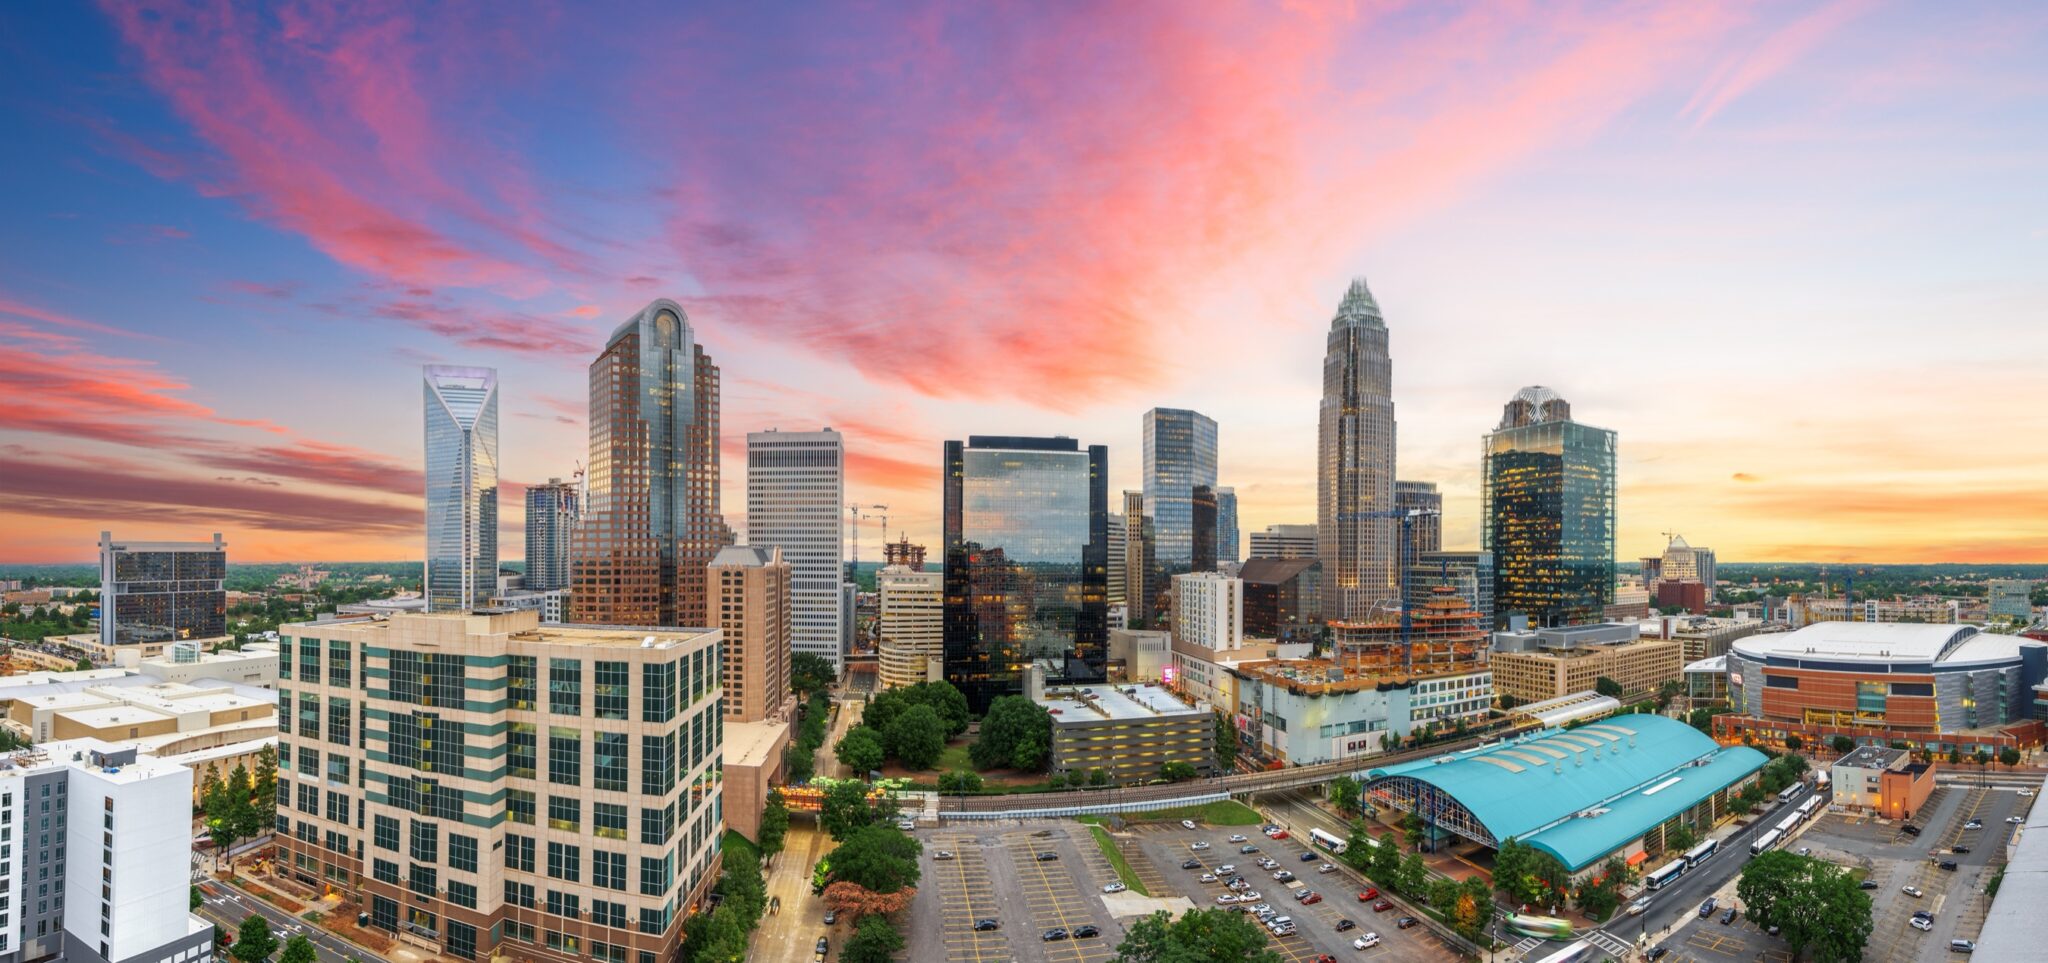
{"points": [[1935, 686]]}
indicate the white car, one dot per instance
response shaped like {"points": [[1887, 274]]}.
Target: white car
{"points": [[1187, 824], [1249, 896], [942, 854], [2026, 792], [1913, 891], [1326, 868], [1237, 837], [1226, 899], [2015, 820], [1226, 869], [1638, 907], [1366, 942], [1924, 926], [1115, 888], [907, 825], [1208, 877], [1199, 845]]}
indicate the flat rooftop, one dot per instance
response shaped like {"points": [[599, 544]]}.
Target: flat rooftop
{"points": [[1115, 703], [754, 743], [1873, 757], [519, 625]]}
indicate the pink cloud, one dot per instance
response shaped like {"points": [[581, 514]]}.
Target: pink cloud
{"points": [[1776, 52]]}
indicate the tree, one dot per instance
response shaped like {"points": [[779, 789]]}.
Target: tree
{"points": [[1177, 771], [1016, 733], [1203, 934], [1843, 744], [960, 782], [2008, 757], [1474, 908], [196, 900], [946, 700], [1793, 742], [860, 750], [1511, 871], [873, 941], [1443, 896], [917, 737], [1608, 687], [84, 665], [1681, 839], [774, 824], [1411, 829], [253, 942], [880, 859], [1386, 862], [1226, 743], [264, 789], [1412, 878], [1815, 904], [844, 809], [810, 672], [1667, 692], [1983, 758], [1096, 777], [1344, 794], [298, 949], [210, 783]]}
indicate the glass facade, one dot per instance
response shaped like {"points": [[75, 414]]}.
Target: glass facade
{"points": [[462, 486], [1180, 453], [1356, 531], [164, 591], [1469, 575], [1027, 562], [1547, 504], [551, 513]]}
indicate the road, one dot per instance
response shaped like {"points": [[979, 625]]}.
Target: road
{"points": [[789, 934], [228, 907]]}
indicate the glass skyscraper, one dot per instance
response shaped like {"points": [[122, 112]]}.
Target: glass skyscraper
{"points": [[162, 591], [652, 523], [1547, 510], [796, 490], [1467, 574], [1027, 562], [462, 486], [1356, 532], [551, 513], [1226, 526], [1419, 533], [1180, 453]]}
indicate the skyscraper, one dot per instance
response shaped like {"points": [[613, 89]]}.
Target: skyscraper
{"points": [[1202, 519], [1547, 511], [652, 524], [551, 513], [1226, 526], [1027, 562], [911, 614], [1141, 581], [1469, 575], [796, 487], [1119, 542], [462, 486], [750, 586], [1419, 533], [1355, 463], [1180, 453], [1284, 541], [158, 592]]}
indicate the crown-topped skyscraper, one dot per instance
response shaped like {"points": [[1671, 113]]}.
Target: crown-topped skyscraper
{"points": [[1355, 463]]}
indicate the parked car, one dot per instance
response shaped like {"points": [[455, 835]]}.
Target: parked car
{"points": [[1086, 930], [1326, 868], [2015, 820], [1382, 906], [1308, 857], [1913, 891], [1923, 915], [1867, 884], [1910, 829], [831, 917], [1728, 916], [985, 925], [1962, 946], [1405, 922], [1043, 833], [1959, 849], [1707, 908], [1048, 856], [1114, 888], [1283, 876], [1312, 898], [1247, 849], [1208, 877], [1187, 824], [1249, 896], [1227, 869], [1366, 942], [1805, 850], [943, 854], [1949, 864], [1226, 899], [1265, 863], [1199, 845], [823, 946], [1278, 834], [1923, 925], [1657, 952], [1191, 864], [1343, 925], [2026, 792], [1237, 837], [1974, 824], [1053, 935], [1371, 893]]}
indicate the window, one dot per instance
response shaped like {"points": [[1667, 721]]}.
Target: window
{"points": [[654, 920], [340, 665], [564, 904], [284, 703], [607, 952], [519, 894], [462, 853], [519, 854], [565, 756], [565, 862], [1782, 681], [384, 833], [565, 812], [520, 749], [309, 761], [609, 820], [657, 692], [606, 913], [565, 687], [519, 806], [608, 752], [423, 881], [309, 715], [658, 764], [384, 912], [607, 870], [461, 893], [657, 825], [309, 800], [520, 682], [611, 696], [462, 936], [309, 660], [284, 657], [655, 874], [337, 807], [337, 768], [339, 728], [426, 842], [384, 870]]}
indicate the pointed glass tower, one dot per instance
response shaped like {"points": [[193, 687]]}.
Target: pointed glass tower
{"points": [[462, 486], [1355, 464]]}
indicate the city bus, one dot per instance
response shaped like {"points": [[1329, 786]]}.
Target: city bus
{"points": [[1784, 826], [1698, 854], [1786, 794], [1767, 841], [1807, 808], [1328, 841], [1665, 876], [1547, 927], [1570, 954]]}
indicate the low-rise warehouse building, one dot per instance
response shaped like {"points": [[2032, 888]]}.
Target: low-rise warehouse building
{"points": [[1612, 788], [1882, 780]]}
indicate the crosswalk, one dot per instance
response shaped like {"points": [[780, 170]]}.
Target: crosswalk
{"points": [[1610, 943]]}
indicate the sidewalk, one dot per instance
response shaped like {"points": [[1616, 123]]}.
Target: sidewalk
{"points": [[337, 919]]}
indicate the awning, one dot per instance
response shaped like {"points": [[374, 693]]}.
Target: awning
{"points": [[1638, 856]]}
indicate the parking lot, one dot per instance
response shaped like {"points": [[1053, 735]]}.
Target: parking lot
{"points": [[1167, 846], [994, 873]]}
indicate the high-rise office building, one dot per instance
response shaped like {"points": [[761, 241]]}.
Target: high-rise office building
{"points": [[1547, 511], [1141, 563], [752, 596], [1682, 562], [1284, 541], [1202, 513], [652, 523], [2011, 598], [159, 592], [551, 513], [1027, 562], [1226, 527], [492, 787], [1180, 453], [108, 881], [796, 489], [1422, 524], [1208, 610], [1356, 532], [1117, 555], [1469, 575], [461, 407], [911, 617]]}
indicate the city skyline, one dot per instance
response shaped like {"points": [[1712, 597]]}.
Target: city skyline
{"points": [[1717, 228]]}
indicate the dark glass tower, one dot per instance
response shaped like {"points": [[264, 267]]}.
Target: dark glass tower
{"points": [[1027, 562], [1547, 504], [1180, 453]]}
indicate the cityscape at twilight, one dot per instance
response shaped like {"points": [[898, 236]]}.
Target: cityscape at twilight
{"points": [[838, 482]]}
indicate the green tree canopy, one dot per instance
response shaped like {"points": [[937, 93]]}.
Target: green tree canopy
{"points": [[917, 737], [845, 809], [873, 941], [1198, 936], [1344, 794], [880, 859], [774, 824], [960, 781], [253, 942], [860, 750], [1226, 743], [1177, 771], [1608, 687], [298, 949], [810, 672], [1816, 904], [2008, 756], [1016, 733]]}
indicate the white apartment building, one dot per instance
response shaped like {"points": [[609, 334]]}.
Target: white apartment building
{"points": [[912, 614], [796, 490], [1284, 541], [1208, 610]]}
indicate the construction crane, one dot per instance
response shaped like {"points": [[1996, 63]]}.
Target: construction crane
{"points": [[854, 514], [1407, 517]]}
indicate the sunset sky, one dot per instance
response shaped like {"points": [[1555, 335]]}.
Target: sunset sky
{"points": [[1795, 254]]}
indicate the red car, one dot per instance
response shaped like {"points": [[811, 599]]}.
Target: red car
{"points": [[1325, 958], [1279, 834], [1382, 906], [1371, 893], [1311, 899]]}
